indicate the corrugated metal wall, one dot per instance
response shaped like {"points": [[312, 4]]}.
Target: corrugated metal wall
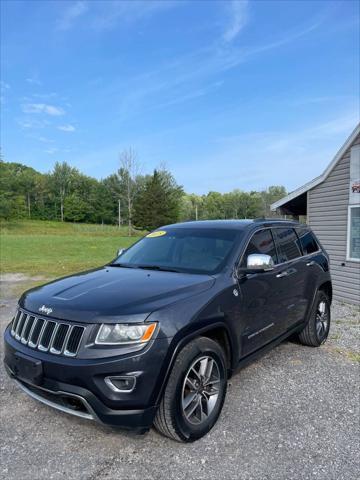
{"points": [[327, 215]]}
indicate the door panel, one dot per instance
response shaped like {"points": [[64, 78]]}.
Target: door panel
{"points": [[260, 301], [292, 275], [261, 309]]}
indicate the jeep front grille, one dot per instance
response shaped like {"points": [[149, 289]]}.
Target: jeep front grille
{"points": [[54, 336]]}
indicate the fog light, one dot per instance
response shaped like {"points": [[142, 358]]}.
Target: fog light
{"points": [[121, 384]]}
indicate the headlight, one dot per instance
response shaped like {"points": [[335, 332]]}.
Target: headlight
{"points": [[120, 334]]}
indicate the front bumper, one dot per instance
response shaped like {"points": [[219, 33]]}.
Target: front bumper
{"points": [[77, 386]]}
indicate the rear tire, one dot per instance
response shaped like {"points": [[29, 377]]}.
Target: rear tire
{"points": [[317, 328], [195, 392]]}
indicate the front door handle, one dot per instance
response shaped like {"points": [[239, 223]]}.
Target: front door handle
{"points": [[282, 274], [310, 264]]}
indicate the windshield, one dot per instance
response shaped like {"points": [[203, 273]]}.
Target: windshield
{"points": [[181, 249]]}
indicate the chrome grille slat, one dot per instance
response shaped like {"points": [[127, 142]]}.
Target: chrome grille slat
{"points": [[21, 334], [67, 339], [57, 325], [27, 329], [46, 334], [73, 341], [20, 325], [15, 322], [59, 340]]}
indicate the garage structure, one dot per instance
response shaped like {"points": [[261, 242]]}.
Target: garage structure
{"points": [[331, 205]]}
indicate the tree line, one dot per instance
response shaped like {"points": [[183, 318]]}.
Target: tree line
{"points": [[126, 197]]}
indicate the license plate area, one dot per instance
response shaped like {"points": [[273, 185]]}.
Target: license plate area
{"points": [[27, 368]]}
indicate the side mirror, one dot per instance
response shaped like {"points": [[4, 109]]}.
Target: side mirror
{"points": [[120, 251], [256, 263]]}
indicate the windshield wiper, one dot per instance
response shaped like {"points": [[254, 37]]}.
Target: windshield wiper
{"points": [[158, 267], [122, 265]]}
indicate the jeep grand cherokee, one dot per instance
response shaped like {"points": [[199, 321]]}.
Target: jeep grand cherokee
{"points": [[153, 337]]}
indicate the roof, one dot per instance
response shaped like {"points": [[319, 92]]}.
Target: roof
{"points": [[317, 180], [231, 224]]}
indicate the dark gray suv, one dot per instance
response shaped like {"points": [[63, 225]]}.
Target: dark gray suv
{"points": [[153, 337]]}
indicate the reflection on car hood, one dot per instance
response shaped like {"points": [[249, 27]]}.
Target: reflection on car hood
{"points": [[105, 294]]}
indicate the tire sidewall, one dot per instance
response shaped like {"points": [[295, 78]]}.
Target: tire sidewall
{"points": [[187, 430], [321, 297]]}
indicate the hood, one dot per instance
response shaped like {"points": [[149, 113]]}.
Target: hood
{"points": [[109, 293]]}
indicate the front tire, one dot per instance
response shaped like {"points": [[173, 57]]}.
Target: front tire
{"points": [[195, 393], [317, 328]]}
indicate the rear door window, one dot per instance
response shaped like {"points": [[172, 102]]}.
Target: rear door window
{"points": [[307, 240], [287, 244]]}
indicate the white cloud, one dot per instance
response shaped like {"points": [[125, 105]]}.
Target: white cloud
{"points": [[4, 85], [32, 123], [238, 19], [51, 151], [71, 14], [66, 128], [42, 108], [34, 80], [128, 11]]}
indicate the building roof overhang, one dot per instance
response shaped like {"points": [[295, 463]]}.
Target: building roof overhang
{"points": [[317, 180]]}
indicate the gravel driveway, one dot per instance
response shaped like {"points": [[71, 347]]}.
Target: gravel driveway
{"points": [[294, 414]]}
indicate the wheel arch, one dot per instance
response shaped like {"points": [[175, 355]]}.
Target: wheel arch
{"points": [[326, 287], [218, 332]]}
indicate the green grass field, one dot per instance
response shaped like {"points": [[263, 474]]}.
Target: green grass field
{"points": [[51, 249]]}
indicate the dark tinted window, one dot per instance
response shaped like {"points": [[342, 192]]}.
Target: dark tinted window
{"points": [[307, 240], [261, 242], [287, 243]]}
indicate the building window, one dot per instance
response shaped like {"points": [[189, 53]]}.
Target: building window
{"points": [[353, 236]]}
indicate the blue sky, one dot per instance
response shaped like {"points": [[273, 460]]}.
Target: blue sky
{"points": [[242, 94]]}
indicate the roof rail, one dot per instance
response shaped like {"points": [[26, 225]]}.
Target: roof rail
{"points": [[273, 219]]}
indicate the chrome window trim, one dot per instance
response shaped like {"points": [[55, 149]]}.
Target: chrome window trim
{"points": [[282, 263]]}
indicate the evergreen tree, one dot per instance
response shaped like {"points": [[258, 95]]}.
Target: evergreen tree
{"points": [[158, 202]]}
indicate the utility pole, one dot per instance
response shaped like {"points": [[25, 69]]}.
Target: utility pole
{"points": [[196, 211], [119, 214]]}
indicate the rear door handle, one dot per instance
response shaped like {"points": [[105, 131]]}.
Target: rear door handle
{"points": [[282, 274], [310, 264]]}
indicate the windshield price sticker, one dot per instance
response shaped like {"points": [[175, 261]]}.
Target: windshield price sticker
{"points": [[158, 233]]}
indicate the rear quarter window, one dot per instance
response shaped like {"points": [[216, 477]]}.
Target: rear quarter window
{"points": [[287, 244], [307, 241]]}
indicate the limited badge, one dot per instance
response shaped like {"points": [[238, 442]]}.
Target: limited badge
{"points": [[158, 233], [235, 292]]}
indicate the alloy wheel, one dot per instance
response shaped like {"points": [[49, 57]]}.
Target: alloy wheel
{"points": [[200, 390], [322, 320]]}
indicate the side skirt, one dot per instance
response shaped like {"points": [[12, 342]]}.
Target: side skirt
{"points": [[243, 362]]}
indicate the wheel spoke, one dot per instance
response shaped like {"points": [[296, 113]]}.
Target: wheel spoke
{"points": [[209, 370], [322, 307], [203, 366], [196, 373], [203, 416], [211, 382], [190, 383], [318, 327], [188, 400], [194, 406]]}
